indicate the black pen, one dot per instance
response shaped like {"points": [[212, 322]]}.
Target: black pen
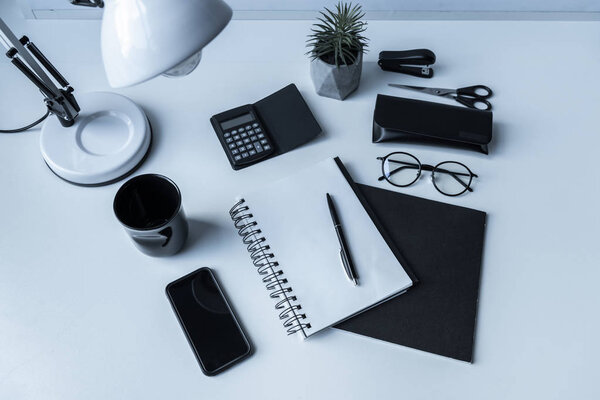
{"points": [[344, 249]]}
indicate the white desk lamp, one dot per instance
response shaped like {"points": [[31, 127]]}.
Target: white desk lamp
{"points": [[102, 137]]}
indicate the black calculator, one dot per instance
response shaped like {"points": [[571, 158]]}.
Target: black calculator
{"points": [[270, 127], [242, 136]]}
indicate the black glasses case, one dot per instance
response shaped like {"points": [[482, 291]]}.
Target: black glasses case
{"points": [[416, 121]]}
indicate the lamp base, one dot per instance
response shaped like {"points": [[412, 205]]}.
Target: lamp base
{"points": [[110, 138]]}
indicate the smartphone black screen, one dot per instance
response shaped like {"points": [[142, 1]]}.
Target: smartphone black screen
{"points": [[207, 320]]}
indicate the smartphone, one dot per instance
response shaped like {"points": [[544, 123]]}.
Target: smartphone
{"points": [[208, 321]]}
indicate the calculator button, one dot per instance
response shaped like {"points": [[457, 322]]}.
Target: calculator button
{"points": [[246, 141], [233, 132], [252, 152], [255, 125], [239, 143], [267, 147], [237, 158], [232, 145], [241, 129], [257, 130], [229, 140], [242, 148], [251, 132], [253, 138], [235, 151], [261, 135], [244, 155], [236, 137], [226, 134], [244, 135], [258, 147], [248, 127], [264, 141]]}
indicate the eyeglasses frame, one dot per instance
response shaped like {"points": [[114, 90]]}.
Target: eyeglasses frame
{"points": [[427, 167]]}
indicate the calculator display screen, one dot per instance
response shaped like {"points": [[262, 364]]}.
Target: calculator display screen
{"points": [[242, 119]]}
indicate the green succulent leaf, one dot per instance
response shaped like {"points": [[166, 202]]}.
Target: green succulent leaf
{"points": [[338, 34]]}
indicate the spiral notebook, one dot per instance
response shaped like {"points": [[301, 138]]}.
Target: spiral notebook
{"points": [[289, 234]]}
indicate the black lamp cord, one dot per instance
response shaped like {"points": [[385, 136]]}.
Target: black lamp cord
{"points": [[28, 126]]}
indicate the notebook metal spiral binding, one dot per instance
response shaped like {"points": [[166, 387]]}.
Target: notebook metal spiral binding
{"points": [[294, 320]]}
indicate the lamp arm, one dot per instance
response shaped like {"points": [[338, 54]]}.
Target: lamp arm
{"points": [[23, 54]]}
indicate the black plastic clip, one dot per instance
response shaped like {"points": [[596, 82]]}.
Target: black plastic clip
{"points": [[412, 62]]}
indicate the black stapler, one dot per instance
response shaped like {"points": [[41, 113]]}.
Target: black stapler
{"points": [[412, 62]]}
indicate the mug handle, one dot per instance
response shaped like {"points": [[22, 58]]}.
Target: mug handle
{"points": [[163, 237]]}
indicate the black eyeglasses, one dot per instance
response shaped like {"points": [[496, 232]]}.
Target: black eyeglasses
{"points": [[450, 178]]}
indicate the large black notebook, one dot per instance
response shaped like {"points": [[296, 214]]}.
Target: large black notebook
{"points": [[442, 244]]}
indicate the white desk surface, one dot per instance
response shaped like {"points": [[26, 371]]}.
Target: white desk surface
{"points": [[83, 314]]}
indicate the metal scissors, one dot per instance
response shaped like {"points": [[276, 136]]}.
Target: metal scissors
{"points": [[470, 96]]}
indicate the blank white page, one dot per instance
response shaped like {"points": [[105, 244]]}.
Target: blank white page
{"points": [[295, 220]]}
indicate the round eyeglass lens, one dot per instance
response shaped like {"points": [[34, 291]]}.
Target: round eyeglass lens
{"points": [[401, 169], [451, 178]]}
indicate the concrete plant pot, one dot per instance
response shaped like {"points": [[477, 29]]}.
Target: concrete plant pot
{"points": [[335, 82]]}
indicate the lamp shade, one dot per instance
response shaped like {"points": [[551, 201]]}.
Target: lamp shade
{"points": [[144, 38]]}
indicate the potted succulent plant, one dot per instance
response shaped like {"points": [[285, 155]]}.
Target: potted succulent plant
{"points": [[337, 47]]}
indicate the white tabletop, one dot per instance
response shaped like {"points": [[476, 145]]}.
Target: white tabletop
{"points": [[83, 314]]}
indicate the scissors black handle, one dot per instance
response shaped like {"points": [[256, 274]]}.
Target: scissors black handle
{"points": [[474, 97], [478, 103], [478, 91]]}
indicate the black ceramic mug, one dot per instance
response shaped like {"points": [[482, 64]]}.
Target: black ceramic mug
{"points": [[149, 207]]}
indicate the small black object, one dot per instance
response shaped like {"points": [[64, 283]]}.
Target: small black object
{"points": [[270, 127], [416, 121], [450, 178], [208, 321], [468, 96], [344, 248], [88, 3], [411, 62], [11, 52], [243, 136], [150, 209]]}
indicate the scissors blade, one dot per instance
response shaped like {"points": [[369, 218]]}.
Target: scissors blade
{"points": [[417, 88], [428, 90]]}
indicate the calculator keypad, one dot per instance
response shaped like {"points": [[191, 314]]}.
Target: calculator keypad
{"points": [[247, 143]]}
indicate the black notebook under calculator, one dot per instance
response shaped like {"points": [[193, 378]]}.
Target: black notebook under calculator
{"points": [[442, 245]]}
